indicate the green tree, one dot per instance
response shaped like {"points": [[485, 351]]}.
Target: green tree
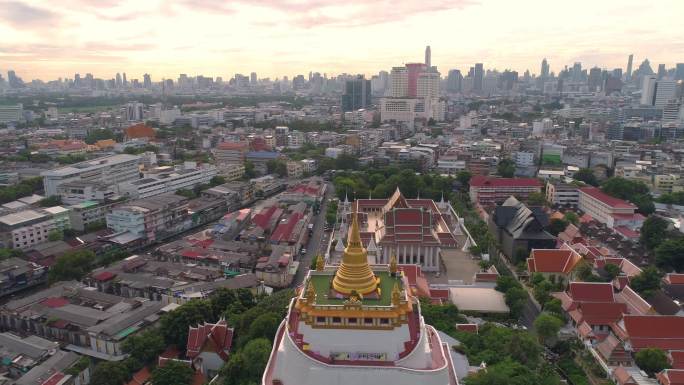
{"points": [[110, 373], [52, 201], [652, 360], [536, 199], [542, 291], [217, 181], [55, 235], [506, 168], [587, 176], [145, 347], [72, 265], [250, 171], [636, 192], [277, 166], [246, 366], [653, 231], [675, 198], [670, 254], [571, 217], [174, 325], [547, 326], [265, 326], [612, 270], [647, 282], [99, 134], [6, 253], [172, 373], [557, 226], [463, 177]]}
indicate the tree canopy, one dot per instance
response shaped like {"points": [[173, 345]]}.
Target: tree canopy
{"points": [[651, 360], [587, 176], [172, 373], [670, 254], [636, 192], [72, 265], [506, 168], [653, 231], [647, 282]]}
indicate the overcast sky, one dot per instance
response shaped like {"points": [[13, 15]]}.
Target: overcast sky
{"points": [[50, 39]]}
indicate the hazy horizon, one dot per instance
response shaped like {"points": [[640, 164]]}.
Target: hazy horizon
{"points": [[277, 38]]}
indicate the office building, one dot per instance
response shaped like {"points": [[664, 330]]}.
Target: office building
{"points": [[134, 111], [454, 81], [27, 228], [478, 77], [150, 219], [109, 170], [168, 179], [489, 190], [11, 113], [606, 209], [628, 74], [428, 57], [357, 94]]}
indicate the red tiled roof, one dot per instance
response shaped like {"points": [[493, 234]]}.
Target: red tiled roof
{"points": [[677, 359], [674, 279], [139, 130], [470, 328], [216, 337], [54, 302], [605, 198], [591, 291], [601, 313], [104, 276], [233, 146], [54, 379], [284, 229], [485, 181], [140, 377], [553, 261], [665, 332], [671, 377]]}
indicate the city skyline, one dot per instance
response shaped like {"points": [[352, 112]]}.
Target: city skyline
{"points": [[47, 43]]}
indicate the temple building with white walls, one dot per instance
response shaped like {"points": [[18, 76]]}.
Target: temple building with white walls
{"points": [[355, 323]]}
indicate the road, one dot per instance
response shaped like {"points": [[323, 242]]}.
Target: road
{"points": [[313, 248]]}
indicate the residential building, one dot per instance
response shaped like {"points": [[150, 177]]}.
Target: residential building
{"points": [[11, 113], [562, 194], [357, 94], [230, 152], [110, 170], [614, 212], [89, 214], [84, 320], [78, 191], [278, 268], [489, 190], [151, 219], [27, 228], [18, 274], [167, 179]]}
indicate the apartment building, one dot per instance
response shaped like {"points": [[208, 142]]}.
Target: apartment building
{"points": [[230, 152], [562, 194], [27, 228], [168, 179], [110, 170], [151, 219]]}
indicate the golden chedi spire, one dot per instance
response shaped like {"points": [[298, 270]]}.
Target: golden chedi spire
{"points": [[354, 274]]}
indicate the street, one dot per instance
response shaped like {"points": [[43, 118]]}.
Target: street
{"points": [[313, 248]]}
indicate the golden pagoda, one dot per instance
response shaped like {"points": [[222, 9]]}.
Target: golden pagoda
{"points": [[354, 274]]}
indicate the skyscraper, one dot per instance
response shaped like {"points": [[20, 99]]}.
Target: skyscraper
{"points": [[478, 75], [125, 82], [628, 76], [357, 94], [662, 72], [147, 81], [544, 69], [594, 80], [679, 71], [118, 80], [253, 78], [428, 57], [455, 81], [648, 90], [399, 82]]}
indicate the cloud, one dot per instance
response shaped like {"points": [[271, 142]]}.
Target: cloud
{"points": [[18, 15]]}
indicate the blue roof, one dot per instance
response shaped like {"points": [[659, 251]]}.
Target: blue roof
{"points": [[262, 154]]}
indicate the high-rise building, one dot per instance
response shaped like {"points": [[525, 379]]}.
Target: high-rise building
{"points": [[428, 57], [253, 78], [399, 82], [544, 69], [454, 81], [662, 72], [357, 94], [648, 90], [125, 82], [13, 80], [679, 71], [118, 80], [595, 78], [134, 111], [11, 113], [147, 81], [478, 77], [110, 170], [628, 75]]}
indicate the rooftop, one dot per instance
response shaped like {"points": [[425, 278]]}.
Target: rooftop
{"points": [[323, 285], [607, 199]]}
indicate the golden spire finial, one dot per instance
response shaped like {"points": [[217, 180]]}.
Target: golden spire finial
{"points": [[354, 273], [393, 264], [310, 293], [320, 263], [396, 294]]}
